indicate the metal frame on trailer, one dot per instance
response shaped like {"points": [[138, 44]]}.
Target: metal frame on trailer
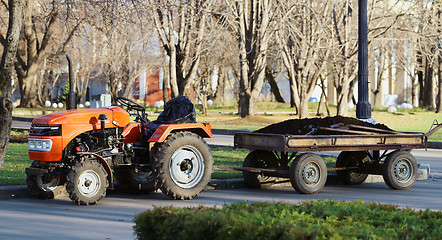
{"points": [[361, 147]]}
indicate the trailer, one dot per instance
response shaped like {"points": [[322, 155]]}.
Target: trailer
{"points": [[363, 150]]}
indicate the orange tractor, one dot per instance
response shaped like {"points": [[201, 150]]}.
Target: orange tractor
{"points": [[85, 150]]}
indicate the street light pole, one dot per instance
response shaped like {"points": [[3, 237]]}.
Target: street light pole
{"points": [[363, 107]]}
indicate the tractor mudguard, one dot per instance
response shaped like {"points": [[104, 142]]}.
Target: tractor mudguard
{"points": [[106, 166], [204, 130], [132, 133]]}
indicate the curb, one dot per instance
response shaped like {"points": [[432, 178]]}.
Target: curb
{"points": [[228, 131], [22, 119]]}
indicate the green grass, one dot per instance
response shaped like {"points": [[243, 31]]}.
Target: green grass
{"points": [[410, 122], [16, 161], [224, 156]]}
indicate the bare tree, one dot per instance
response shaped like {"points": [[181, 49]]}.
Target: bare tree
{"points": [[303, 33], [251, 21], [124, 40], [181, 30], [10, 46], [35, 45]]}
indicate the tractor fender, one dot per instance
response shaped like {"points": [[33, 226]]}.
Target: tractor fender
{"points": [[106, 166], [163, 131]]}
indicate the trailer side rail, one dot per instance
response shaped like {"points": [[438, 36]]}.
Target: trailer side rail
{"points": [[306, 143]]}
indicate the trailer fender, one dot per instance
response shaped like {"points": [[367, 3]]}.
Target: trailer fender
{"points": [[163, 131], [106, 166]]}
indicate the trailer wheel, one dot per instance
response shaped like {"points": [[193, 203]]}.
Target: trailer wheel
{"points": [[42, 186], [308, 173], [400, 170], [182, 165], [87, 182], [135, 180], [351, 159], [259, 159]]}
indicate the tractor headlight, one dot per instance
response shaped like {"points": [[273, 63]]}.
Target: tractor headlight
{"points": [[43, 145]]}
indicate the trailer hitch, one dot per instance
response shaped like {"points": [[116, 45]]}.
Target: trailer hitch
{"points": [[435, 129]]}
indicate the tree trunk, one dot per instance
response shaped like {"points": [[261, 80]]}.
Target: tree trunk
{"points": [[6, 72], [428, 93], [274, 85], [247, 105], [439, 84], [219, 94], [342, 92], [439, 65], [420, 78], [303, 108], [28, 88]]}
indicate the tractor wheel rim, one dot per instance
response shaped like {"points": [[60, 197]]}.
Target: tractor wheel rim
{"points": [[403, 171], [89, 183], [311, 173], [187, 167]]}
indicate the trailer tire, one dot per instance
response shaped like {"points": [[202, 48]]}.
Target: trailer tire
{"points": [[259, 159], [351, 159], [87, 182], [44, 189], [133, 180], [308, 173], [182, 165], [400, 170]]}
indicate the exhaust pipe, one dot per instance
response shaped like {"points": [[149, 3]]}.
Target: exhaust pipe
{"points": [[71, 102]]}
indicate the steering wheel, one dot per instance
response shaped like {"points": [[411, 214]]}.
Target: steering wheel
{"points": [[131, 104]]}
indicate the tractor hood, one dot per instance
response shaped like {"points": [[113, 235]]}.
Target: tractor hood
{"points": [[115, 116]]}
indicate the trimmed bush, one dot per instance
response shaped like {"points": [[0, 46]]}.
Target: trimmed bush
{"points": [[315, 219]]}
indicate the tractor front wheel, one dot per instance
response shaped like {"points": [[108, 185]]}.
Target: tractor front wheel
{"points": [[182, 165], [87, 182]]}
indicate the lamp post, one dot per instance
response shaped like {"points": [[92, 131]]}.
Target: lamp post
{"points": [[363, 107]]}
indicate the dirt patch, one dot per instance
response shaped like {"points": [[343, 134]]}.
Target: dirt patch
{"points": [[18, 138], [311, 126]]}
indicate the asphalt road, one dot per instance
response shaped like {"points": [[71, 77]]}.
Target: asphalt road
{"points": [[111, 218], [28, 218]]}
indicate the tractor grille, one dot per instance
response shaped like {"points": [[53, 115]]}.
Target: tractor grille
{"points": [[45, 130]]}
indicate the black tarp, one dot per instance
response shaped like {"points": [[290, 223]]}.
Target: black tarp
{"points": [[176, 110]]}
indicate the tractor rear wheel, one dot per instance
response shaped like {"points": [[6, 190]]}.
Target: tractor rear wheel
{"points": [[182, 165], [87, 182], [134, 179], [44, 186]]}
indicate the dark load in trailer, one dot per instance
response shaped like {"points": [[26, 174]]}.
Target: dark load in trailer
{"points": [[365, 149]]}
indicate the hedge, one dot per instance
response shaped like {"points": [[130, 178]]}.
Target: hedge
{"points": [[315, 219]]}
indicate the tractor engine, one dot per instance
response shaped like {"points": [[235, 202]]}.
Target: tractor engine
{"points": [[107, 143]]}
